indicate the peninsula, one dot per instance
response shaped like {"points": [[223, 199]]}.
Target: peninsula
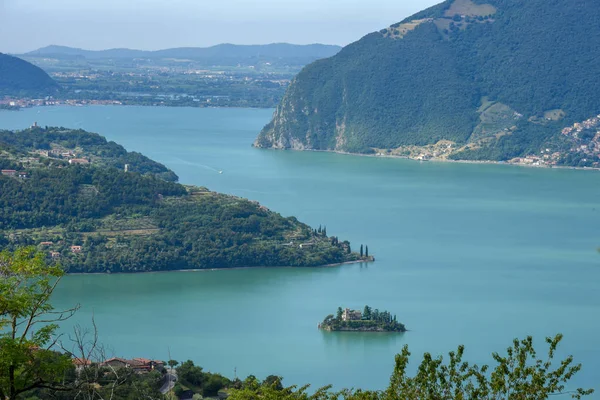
{"points": [[369, 320], [92, 206]]}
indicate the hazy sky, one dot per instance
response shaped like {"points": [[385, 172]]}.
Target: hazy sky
{"points": [[152, 24]]}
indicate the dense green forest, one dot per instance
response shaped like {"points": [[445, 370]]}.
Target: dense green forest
{"points": [[137, 221], [18, 77], [417, 83]]}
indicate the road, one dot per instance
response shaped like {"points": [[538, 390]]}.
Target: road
{"points": [[170, 380]]}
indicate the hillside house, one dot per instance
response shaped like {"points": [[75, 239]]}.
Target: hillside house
{"points": [[76, 249], [54, 254], [9, 172], [81, 363]]}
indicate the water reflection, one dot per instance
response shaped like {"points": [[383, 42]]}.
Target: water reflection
{"points": [[369, 342]]}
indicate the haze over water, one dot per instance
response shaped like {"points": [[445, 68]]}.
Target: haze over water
{"points": [[466, 254]]}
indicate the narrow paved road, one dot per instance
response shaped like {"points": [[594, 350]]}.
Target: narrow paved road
{"points": [[170, 380]]}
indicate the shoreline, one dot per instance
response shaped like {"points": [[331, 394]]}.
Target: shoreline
{"points": [[435, 160], [32, 106], [217, 269]]}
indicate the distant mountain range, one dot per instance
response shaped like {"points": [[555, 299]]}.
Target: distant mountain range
{"points": [[276, 50], [20, 77], [465, 79]]}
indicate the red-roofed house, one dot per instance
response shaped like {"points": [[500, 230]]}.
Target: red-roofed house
{"points": [[81, 363]]}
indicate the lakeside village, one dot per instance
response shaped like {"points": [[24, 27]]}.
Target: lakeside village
{"points": [[17, 103], [583, 138], [369, 320]]}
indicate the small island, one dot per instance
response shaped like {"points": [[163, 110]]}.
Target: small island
{"points": [[369, 320]]}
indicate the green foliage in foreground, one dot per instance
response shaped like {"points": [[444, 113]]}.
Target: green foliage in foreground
{"points": [[518, 375], [28, 323]]}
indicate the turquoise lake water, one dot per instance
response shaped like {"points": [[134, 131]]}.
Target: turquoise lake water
{"points": [[466, 254]]}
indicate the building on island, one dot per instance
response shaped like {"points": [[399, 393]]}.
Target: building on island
{"points": [[351, 315]]}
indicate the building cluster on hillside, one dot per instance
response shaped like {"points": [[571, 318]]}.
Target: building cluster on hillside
{"points": [[138, 365], [546, 157], [586, 137], [75, 249], [579, 127]]}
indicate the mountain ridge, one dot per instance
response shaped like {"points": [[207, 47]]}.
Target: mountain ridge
{"points": [[498, 79], [18, 76], [220, 50]]}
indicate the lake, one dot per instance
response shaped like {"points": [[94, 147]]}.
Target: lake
{"points": [[466, 254]]}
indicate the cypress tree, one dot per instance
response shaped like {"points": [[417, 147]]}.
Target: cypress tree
{"points": [[361, 250], [366, 251]]}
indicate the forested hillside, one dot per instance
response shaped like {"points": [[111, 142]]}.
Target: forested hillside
{"points": [[489, 79], [18, 77], [58, 145], [93, 217]]}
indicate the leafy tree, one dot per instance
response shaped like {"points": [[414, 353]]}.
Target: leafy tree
{"points": [[518, 375], [28, 323], [273, 381], [190, 373], [172, 363], [367, 312], [339, 314]]}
